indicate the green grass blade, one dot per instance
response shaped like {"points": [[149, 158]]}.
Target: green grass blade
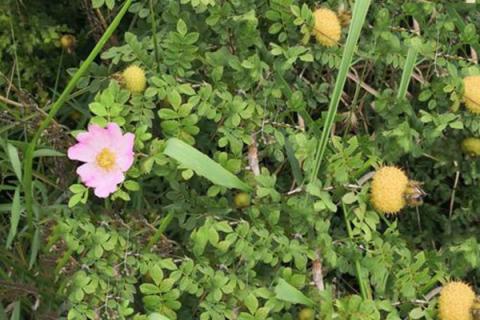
{"points": [[286, 292], [15, 217], [14, 160], [16, 311], [154, 35], [360, 10], [3, 314], [407, 72], [47, 153], [202, 165], [28, 161], [294, 164], [161, 229], [35, 248]]}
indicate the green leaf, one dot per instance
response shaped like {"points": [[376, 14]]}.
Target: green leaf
{"points": [[14, 160], [131, 185], [416, 313], [47, 153], [15, 217], [157, 316], [149, 288], [97, 3], [294, 164], [75, 199], [203, 166], [174, 98], [157, 274], [35, 248], [286, 292], [407, 72], [98, 109], [181, 27], [16, 311], [252, 303]]}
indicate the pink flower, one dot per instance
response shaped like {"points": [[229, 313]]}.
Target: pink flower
{"points": [[107, 154]]}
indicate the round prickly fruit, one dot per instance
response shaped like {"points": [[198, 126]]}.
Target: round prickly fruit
{"points": [[242, 200], [471, 146], [327, 29], [471, 93], [306, 314], [134, 78], [456, 301], [388, 189]]}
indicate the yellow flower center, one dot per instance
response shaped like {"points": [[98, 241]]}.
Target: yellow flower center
{"points": [[106, 159]]}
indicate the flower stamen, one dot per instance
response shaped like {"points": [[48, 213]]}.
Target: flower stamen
{"points": [[106, 159]]}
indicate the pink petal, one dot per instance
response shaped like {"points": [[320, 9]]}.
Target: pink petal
{"points": [[109, 183], [124, 151], [98, 135], [114, 132], [89, 144], [103, 182], [83, 152]]}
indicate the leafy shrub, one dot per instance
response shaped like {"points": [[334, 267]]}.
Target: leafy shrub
{"points": [[245, 84]]}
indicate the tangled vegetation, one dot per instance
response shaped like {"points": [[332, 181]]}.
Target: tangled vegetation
{"points": [[239, 159]]}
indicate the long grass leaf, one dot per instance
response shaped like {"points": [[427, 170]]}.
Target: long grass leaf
{"points": [[294, 164], [28, 161], [16, 311], [47, 153], [202, 165], [360, 10], [3, 314], [286, 292], [14, 217], [35, 248], [407, 72], [14, 160]]}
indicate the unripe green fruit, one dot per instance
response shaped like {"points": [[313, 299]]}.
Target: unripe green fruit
{"points": [[242, 200], [306, 314]]}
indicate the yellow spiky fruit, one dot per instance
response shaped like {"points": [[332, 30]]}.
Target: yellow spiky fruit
{"points": [[388, 189], [456, 301], [471, 146], [471, 93], [134, 79], [327, 28]]}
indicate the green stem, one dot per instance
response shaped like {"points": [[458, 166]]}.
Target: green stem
{"points": [[154, 36], [28, 161], [364, 288], [161, 229]]}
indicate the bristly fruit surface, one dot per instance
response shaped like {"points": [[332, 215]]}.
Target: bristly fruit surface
{"points": [[388, 189]]}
